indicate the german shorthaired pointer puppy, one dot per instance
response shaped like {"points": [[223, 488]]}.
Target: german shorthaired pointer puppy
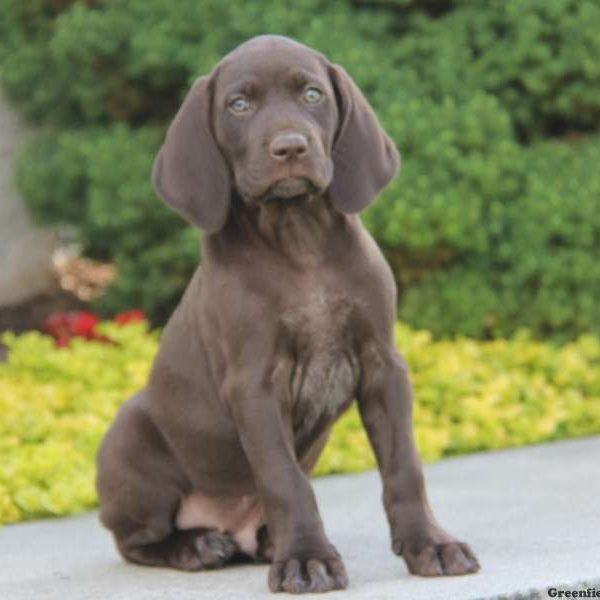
{"points": [[288, 320]]}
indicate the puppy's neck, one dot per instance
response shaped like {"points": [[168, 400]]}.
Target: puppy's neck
{"points": [[299, 228]]}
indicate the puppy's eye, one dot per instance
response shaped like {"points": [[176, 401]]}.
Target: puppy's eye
{"points": [[239, 105], [312, 95]]}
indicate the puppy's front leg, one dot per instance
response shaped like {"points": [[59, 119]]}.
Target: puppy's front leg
{"points": [[385, 403], [304, 560]]}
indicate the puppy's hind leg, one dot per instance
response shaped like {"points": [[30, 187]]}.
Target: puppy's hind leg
{"points": [[140, 486], [188, 550]]}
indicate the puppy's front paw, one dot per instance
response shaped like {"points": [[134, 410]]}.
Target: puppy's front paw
{"points": [[437, 557], [305, 576]]}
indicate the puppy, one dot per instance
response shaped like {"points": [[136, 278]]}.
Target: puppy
{"points": [[288, 320]]}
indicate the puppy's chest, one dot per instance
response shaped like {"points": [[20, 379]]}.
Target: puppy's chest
{"points": [[321, 369]]}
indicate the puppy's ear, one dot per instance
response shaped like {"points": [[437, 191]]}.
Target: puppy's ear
{"points": [[365, 159], [189, 173]]}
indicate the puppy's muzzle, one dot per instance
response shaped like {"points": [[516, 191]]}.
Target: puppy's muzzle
{"points": [[290, 188]]}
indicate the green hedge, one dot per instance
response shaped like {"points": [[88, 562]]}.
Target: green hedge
{"points": [[540, 268], [539, 57], [494, 105], [104, 173], [56, 404]]}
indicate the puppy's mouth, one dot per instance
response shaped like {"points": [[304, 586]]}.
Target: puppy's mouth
{"points": [[289, 188]]}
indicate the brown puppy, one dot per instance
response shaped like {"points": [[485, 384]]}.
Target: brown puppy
{"points": [[288, 320]]}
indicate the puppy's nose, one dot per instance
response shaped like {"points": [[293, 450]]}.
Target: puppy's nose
{"points": [[288, 146]]}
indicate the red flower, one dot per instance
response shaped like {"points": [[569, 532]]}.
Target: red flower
{"points": [[130, 316], [57, 325], [83, 324], [63, 326]]}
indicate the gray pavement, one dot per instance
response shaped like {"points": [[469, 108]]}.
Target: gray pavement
{"points": [[532, 515]]}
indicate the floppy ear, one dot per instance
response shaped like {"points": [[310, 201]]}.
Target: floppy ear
{"points": [[365, 159], [189, 172]]}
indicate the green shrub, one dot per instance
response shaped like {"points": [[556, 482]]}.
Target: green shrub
{"points": [[102, 176], [460, 162], [541, 267], [540, 58], [56, 404], [470, 90], [27, 71], [134, 61]]}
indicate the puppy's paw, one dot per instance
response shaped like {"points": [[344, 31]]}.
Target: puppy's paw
{"points": [[436, 558], [215, 549], [204, 550], [316, 575]]}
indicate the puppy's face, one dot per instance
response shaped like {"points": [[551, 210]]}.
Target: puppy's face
{"points": [[274, 120], [275, 116]]}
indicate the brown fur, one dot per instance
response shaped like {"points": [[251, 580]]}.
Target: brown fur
{"points": [[289, 318]]}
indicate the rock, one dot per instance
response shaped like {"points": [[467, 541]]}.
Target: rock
{"points": [[25, 251]]}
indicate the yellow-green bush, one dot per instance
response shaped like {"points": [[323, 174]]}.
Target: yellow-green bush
{"points": [[55, 405], [473, 395]]}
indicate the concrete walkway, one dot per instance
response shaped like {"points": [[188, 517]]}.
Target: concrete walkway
{"points": [[532, 515]]}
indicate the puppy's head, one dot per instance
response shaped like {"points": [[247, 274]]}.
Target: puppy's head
{"points": [[275, 120]]}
